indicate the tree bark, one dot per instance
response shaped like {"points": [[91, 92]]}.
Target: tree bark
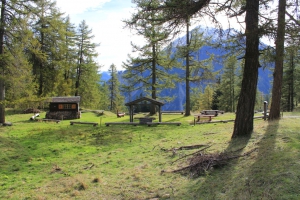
{"points": [[278, 72], [187, 72], [153, 107], [2, 63], [245, 109]]}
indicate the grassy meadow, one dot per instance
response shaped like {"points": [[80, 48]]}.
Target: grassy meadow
{"points": [[47, 160]]}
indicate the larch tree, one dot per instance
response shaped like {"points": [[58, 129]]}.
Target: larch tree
{"points": [[48, 28], [14, 39], [148, 71], [115, 98], [278, 72], [243, 125], [85, 53], [228, 85], [197, 70]]}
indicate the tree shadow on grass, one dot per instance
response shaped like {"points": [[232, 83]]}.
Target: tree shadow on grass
{"points": [[275, 173], [264, 174]]}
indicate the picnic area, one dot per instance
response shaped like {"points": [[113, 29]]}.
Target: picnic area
{"points": [[48, 160]]}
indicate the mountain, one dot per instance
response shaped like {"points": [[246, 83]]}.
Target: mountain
{"points": [[178, 92]]}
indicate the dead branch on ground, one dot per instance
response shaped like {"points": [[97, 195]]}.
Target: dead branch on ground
{"points": [[201, 162]]}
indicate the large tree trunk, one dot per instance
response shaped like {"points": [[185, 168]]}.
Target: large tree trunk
{"points": [[2, 63], [278, 72], [245, 109], [153, 94], [187, 71]]}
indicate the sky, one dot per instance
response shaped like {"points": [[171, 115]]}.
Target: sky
{"points": [[105, 17]]}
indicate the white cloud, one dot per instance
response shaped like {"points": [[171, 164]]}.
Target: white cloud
{"points": [[77, 7], [107, 27]]}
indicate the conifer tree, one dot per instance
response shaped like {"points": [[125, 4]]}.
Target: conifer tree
{"points": [[278, 72], [148, 71], [14, 34], [85, 54], [116, 100], [228, 85], [48, 28], [197, 70]]}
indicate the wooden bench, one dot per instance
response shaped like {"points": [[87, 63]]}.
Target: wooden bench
{"points": [[120, 114], [163, 123], [173, 111], [121, 123], [198, 117], [78, 122]]}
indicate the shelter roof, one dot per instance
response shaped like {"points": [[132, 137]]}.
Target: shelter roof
{"points": [[153, 101], [73, 99]]}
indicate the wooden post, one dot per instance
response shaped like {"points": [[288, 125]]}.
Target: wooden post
{"points": [[265, 109], [159, 113]]}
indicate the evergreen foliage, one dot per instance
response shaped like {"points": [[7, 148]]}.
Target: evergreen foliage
{"points": [[115, 98], [149, 70]]}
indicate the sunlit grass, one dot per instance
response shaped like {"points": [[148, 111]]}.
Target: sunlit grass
{"points": [[45, 160]]}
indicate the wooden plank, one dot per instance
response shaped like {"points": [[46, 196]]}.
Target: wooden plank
{"points": [[51, 120], [163, 123], [121, 123], [174, 111], [78, 122]]}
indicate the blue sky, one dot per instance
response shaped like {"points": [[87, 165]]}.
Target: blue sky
{"points": [[104, 17]]}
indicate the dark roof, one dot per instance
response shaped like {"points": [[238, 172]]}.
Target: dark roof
{"points": [[153, 101], [74, 99]]}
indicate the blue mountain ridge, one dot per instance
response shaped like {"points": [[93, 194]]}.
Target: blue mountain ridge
{"points": [[264, 80]]}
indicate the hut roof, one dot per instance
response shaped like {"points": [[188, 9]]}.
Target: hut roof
{"points": [[153, 101], [74, 99]]}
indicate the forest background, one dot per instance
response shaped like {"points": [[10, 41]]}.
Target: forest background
{"points": [[44, 55]]}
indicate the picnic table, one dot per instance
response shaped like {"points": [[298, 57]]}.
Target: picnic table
{"points": [[210, 112]]}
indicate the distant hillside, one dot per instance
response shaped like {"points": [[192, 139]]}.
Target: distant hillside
{"points": [[264, 80]]}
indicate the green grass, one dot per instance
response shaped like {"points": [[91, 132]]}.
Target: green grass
{"points": [[41, 160]]}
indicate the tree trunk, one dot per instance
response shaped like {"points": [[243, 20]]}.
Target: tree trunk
{"points": [[2, 63], [245, 109], [187, 72], [278, 72], [153, 107]]}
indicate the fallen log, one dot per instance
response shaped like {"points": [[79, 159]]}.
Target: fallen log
{"points": [[34, 116]]}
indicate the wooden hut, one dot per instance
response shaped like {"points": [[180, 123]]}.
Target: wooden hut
{"points": [[141, 101], [63, 108]]}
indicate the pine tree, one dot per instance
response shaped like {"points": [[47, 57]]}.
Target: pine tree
{"points": [[197, 70], [116, 100], [278, 72], [85, 54], [48, 28], [148, 71], [228, 85], [14, 39]]}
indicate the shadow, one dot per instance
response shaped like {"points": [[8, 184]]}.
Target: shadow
{"points": [[217, 181], [266, 173], [272, 175]]}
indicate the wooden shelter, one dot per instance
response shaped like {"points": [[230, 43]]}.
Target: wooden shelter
{"points": [[142, 101], [63, 108]]}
